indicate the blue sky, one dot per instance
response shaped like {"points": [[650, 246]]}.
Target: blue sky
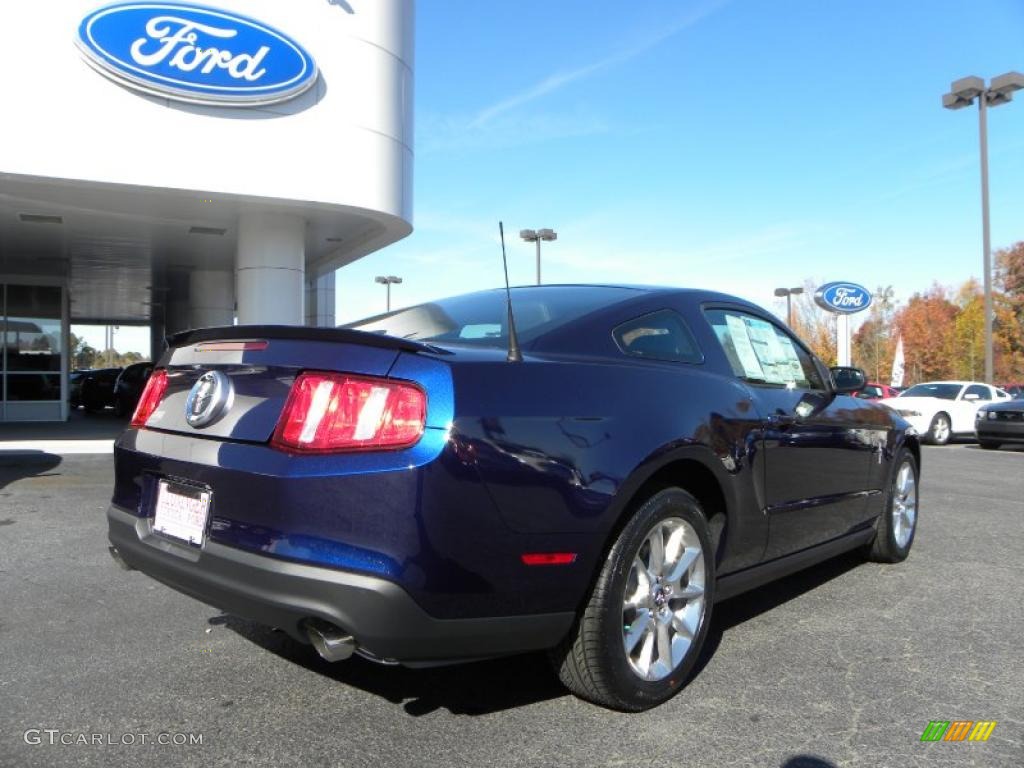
{"points": [[737, 146]]}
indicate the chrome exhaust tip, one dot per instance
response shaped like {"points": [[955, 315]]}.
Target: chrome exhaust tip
{"points": [[331, 642]]}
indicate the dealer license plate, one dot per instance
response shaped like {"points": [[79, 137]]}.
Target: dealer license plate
{"points": [[181, 512]]}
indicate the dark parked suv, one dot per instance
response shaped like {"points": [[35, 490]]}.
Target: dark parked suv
{"points": [[128, 387], [95, 389], [426, 487]]}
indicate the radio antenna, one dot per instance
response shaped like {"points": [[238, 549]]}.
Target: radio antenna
{"points": [[514, 355]]}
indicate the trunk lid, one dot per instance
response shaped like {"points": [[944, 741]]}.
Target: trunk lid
{"points": [[259, 364]]}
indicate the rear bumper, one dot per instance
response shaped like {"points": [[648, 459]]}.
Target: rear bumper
{"points": [[382, 617]]}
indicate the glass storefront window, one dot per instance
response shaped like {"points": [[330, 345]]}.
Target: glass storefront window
{"points": [[33, 386], [33, 301], [31, 345]]}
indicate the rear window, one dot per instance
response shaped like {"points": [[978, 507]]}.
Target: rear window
{"points": [[658, 336], [482, 318]]}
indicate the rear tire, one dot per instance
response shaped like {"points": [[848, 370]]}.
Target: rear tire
{"points": [[940, 430], [896, 528], [641, 631], [989, 445]]}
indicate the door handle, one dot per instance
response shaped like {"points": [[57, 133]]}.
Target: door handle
{"points": [[781, 420]]}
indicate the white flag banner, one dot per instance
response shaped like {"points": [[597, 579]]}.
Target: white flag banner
{"points": [[896, 380]]}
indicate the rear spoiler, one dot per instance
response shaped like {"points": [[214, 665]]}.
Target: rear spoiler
{"points": [[300, 333]]}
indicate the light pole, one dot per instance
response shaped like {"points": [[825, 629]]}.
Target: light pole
{"points": [[109, 343], [387, 282], [789, 293], [535, 236], [962, 93]]}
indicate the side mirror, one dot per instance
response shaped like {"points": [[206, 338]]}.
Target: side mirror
{"points": [[848, 380]]}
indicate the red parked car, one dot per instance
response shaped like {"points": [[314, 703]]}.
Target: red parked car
{"points": [[1016, 389], [874, 391]]}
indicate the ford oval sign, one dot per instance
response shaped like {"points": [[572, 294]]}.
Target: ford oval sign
{"points": [[195, 54], [844, 298]]}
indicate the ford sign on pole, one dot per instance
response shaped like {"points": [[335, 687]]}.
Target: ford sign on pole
{"points": [[194, 54], [843, 299]]}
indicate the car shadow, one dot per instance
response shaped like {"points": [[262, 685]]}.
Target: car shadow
{"points": [[476, 688], [486, 687], [750, 605], [808, 761], [17, 465]]}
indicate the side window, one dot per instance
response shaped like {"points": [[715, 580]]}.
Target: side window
{"points": [[660, 335], [762, 353], [981, 391]]}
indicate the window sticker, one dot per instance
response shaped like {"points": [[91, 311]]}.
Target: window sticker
{"points": [[792, 360], [744, 349], [769, 353]]}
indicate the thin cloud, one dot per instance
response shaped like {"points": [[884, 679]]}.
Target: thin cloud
{"points": [[559, 80], [443, 134]]}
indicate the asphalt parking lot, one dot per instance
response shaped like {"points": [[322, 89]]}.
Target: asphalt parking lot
{"points": [[844, 664]]}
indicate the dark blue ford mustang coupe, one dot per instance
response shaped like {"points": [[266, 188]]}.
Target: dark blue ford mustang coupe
{"points": [[409, 489]]}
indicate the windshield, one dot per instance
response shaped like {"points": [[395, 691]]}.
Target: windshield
{"points": [[941, 391], [482, 318]]}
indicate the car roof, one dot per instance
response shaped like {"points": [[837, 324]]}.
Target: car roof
{"points": [[700, 294]]}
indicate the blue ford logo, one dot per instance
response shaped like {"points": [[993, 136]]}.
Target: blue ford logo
{"points": [[845, 298], [195, 54]]}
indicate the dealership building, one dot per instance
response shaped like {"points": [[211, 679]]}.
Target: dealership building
{"points": [[180, 165]]}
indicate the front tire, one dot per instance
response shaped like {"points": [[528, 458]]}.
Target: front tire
{"points": [[898, 524], [940, 430], [989, 445], [642, 628]]}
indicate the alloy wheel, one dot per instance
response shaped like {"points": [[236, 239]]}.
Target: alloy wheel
{"points": [[904, 504], [664, 603]]}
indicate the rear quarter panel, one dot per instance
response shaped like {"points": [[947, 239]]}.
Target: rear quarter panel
{"points": [[561, 444]]}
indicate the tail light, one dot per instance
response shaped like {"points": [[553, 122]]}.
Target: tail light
{"points": [[328, 412], [151, 397]]}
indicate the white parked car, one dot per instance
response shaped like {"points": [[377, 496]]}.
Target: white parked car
{"points": [[940, 410]]}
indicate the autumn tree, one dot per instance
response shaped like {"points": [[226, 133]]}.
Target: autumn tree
{"points": [[928, 324], [874, 343], [968, 349], [814, 325], [1008, 325]]}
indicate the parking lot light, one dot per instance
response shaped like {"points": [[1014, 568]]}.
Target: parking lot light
{"points": [[387, 282], [535, 236], [962, 93], [789, 293]]}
